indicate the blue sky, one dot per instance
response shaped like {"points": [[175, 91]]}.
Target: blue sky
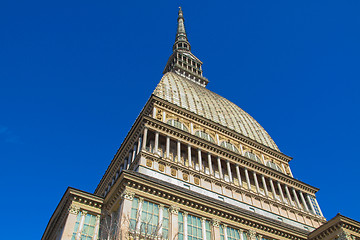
{"points": [[75, 74]]}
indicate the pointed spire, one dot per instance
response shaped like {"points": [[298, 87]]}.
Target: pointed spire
{"points": [[181, 41], [182, 61]]}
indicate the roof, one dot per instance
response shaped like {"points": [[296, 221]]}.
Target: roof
{"points": [[201, 101]]}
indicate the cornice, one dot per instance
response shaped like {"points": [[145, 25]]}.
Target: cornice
{"points": [[218, 209], [220, 128], [156, 124], [226, 184]]}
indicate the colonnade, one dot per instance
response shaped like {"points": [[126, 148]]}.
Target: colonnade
{"points": [[227, 171]]}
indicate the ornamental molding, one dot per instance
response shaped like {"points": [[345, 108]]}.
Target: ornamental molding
{"points": [[74, 209], [87, 201], [190, 171], [219, 128], [127, 195], [156, 125], [217, 210], [215, 222]]}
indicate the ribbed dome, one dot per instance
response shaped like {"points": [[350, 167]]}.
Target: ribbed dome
{"points": [[201, 101]]}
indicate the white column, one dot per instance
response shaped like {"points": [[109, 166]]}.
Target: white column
{"points": [[156, 142], [144, 138], [241, 234], [288, 195], [129, 160], [167, 146], [138, 222], [200, 159], [133, 153], [154, 112], [281, 192], [96, 230], [189, 155], [210, 165], [225, 231], [161, 214], [219, 167], [247, 179], [296, 198], [229, 171], [256, 182], [125, 164], [203, 227], [238, 175], [311, 205], [265, 186], [81, 225], [303, 201], [191, 128], [178, 151], [273, 188], [185, 226], [139, 145], [241, 150], [317, 204], [217, 139]]}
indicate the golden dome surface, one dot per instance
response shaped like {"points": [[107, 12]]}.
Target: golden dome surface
{"points": [[197, 99]]}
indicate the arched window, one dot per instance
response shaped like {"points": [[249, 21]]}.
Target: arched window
{"points": [[273, 166], [205, 136], [177, 124], [229, 146], [253, 157]]}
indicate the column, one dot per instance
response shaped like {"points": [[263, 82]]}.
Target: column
{"points": [[189, 155], [210, 165], [256, 182], [178, 151], [281, 192], [241, 233], [238, 175], [70, 222], [311, 205], [129, 160], [125, 164], [145, 138], [139, 145], [81, 225], [200, 159], [203, 227], [154, 112], [133, 153], [247, 179], [273, 188], [167, 146], [288, 195], [219, 167], [185, 226], [225, 231], [96, 230], [156, 142], [265, 186], [241, 150], [229, 171], [174, 222], [161, 214], [303, 201], [215, 228], [138, 222], [296, 198], [125, 210]]}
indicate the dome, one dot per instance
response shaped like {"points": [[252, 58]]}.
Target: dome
{"points": [[201, 101]]}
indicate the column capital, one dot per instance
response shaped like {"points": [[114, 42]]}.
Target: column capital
{"points": [[128, 195], [74, 210], [203, 219], [252, 234], [83, 213], [215, 222], [161, 206], [186, 214]]}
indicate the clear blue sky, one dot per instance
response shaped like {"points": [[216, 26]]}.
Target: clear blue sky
{"points": [[75, 74]]}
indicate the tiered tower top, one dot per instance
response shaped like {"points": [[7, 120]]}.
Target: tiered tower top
{"points": [[182, 61]]}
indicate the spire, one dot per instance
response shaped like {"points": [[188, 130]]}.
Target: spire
{"points": [[181, 41], [182, 61]]}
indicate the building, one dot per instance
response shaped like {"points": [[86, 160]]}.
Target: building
{"points": [[196, 166]]}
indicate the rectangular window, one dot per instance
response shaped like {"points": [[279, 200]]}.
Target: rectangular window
{"points": [[77, 223], [232, 234], [222, 235], [87, 232], [208, 230], [194, 228], [134, 214], [149, 218], [165, 223]]}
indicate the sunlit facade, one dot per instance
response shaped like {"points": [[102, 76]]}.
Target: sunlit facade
{"points": [[195, 166]]}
